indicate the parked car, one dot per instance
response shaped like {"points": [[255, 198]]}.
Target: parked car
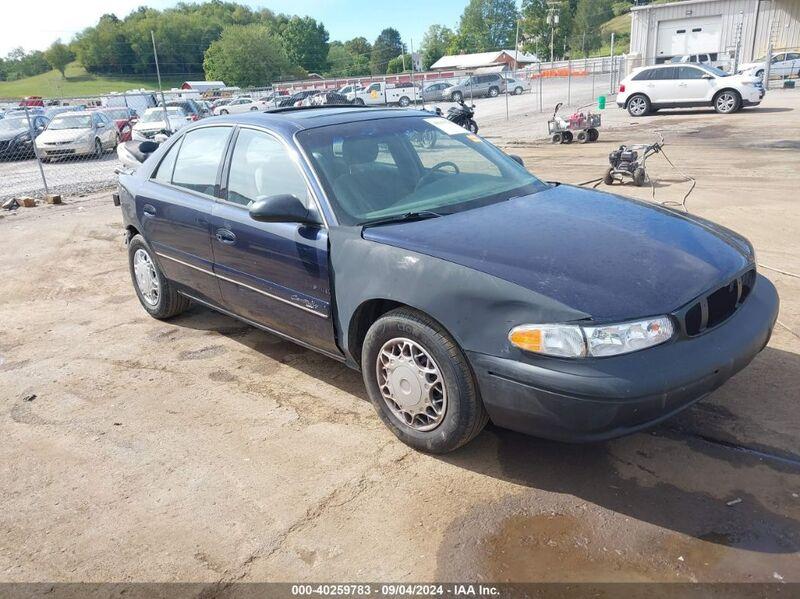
{"points": [[490, 85], [783, 64], [152, 122], [242, 105], [17, 136], [517, 86], [77, 134], [189, 106], [32, 101], [648, 89], [325, 98], [434, 92], [296, 98], [124, 119], [351, 89], [331, 228]]}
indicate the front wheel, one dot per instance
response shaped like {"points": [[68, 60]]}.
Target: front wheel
{"points": [[472, 126], [223, 112], [457, 97], [420, 383], [518, 91], [404, 101], [493, 92], [727, 101], [98, 148], [156, 294]]}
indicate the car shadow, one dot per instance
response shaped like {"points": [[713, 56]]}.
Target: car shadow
{"points": [[626, 475]]}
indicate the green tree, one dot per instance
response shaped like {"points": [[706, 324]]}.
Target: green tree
{"points": [[247, 55], [585, 34], [342, 62], [387, 46], [487, 25], [306, 43], [537, 30], [435, 44], [358, 47], [399, 64], [59, 56]]}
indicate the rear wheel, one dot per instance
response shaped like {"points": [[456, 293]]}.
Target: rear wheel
{"points": [[582, 137], [359, 101], [638, 105], [98, 148], [223, 111], [493, 92], [252, 108], [639, 177], [404, 101], [156, 294], [518, 91], [594, 134], [420, 383], [727, 101], [608, 178], [566, 137]]}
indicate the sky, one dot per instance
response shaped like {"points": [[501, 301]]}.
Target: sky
{"points": [[344, 19]]}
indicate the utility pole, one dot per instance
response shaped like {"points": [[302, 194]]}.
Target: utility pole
{"points": [[413, 87], [552, 20], [160, 90]]}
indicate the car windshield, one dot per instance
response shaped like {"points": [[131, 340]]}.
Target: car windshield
{"points": [[157, 114], [713, 70], [374, 170], [13, 125], [77, 121]]}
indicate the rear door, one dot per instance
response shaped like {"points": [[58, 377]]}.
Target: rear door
{"points": [[274, 274], [662, 86], [174, 207]]}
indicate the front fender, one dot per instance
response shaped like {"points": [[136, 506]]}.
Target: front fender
{"points": [[477, 309]]}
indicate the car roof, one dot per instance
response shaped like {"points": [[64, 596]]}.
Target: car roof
{"points": [[291, 120], [75, 113]]}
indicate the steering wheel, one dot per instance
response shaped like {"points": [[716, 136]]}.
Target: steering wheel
{"points": [[434, 169]]}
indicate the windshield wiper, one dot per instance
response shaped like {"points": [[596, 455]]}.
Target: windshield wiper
{"points": [[401, 218]]}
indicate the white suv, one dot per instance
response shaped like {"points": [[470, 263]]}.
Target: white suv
{"points": [[648, 89]]}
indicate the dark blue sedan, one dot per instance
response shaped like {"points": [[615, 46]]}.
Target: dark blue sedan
{"points": [[463, 287]]}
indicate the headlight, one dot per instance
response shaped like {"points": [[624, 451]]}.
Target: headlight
{"points": [[573, 341]]}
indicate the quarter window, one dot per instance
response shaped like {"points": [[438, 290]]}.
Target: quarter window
{"points": [[164, 170], [199, 158], [260, 167]]}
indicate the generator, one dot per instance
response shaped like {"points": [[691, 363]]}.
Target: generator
{"points": [[630, 162]]}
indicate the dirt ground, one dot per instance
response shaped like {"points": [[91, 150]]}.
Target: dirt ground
{"points": [[201, 449]]}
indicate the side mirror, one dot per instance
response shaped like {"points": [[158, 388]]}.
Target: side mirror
{"points": [[101, 125], [707, 76], [284, 208], [517, 159], [148, 147]]}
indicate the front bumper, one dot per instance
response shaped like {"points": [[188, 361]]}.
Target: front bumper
{"points": [[72, 148], [602, 398]]}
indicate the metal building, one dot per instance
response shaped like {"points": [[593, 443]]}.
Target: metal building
{"points": [[741, 30]]}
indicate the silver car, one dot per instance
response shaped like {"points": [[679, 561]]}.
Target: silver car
{"points": [[517, 86], [77, 134], [491, 85], [434, 92]]}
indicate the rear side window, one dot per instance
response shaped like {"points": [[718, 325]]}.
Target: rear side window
{"points": [[664, 74], [644, 75], [199, 158]]}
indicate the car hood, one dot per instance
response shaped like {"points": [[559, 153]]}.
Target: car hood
{"points": [[9, 135], [55, 135], [174, 123], [607, 256]]}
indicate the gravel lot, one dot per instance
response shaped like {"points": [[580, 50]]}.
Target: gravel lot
{"points": [[202, 449]]}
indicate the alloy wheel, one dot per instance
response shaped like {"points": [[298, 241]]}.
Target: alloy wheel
{"points": [[726, 102], [411, 384], [637, 105], [146, 277]]}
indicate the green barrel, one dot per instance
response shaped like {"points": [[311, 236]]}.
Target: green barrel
{"points": [[601, 102]]}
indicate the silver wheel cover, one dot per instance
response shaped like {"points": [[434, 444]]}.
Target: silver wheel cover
{"points": [[146, 278], [411, 384]]}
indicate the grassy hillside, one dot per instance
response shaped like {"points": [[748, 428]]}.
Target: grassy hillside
{"points": [[79, 83]]}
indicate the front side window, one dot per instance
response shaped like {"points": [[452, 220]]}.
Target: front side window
{"points": [[199, 158], [689, 73], [388, 167], [261, 166]]}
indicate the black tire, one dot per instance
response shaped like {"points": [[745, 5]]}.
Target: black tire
{"points": [[404, 101], [98, 148], [494, 92], [582, 137], [457, 97], [359, 101], [169, 303], [518, 91], [472, 126], [760, 73], [557, 138], [253, 108], [464, 415], [639, 177], [727, 101], [45, 160], [639, 105], [594, 134], [223, 112], [566, 137], [608, 178]]}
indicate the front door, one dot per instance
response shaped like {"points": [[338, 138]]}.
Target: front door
{"points": [[691, 85], [175, 206], [274, 274]]}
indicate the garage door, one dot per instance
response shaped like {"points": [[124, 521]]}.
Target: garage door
{"points": [[697, 35]]}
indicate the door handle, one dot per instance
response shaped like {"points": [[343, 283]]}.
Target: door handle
{"points": [[225, 236], [149, 210]]}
